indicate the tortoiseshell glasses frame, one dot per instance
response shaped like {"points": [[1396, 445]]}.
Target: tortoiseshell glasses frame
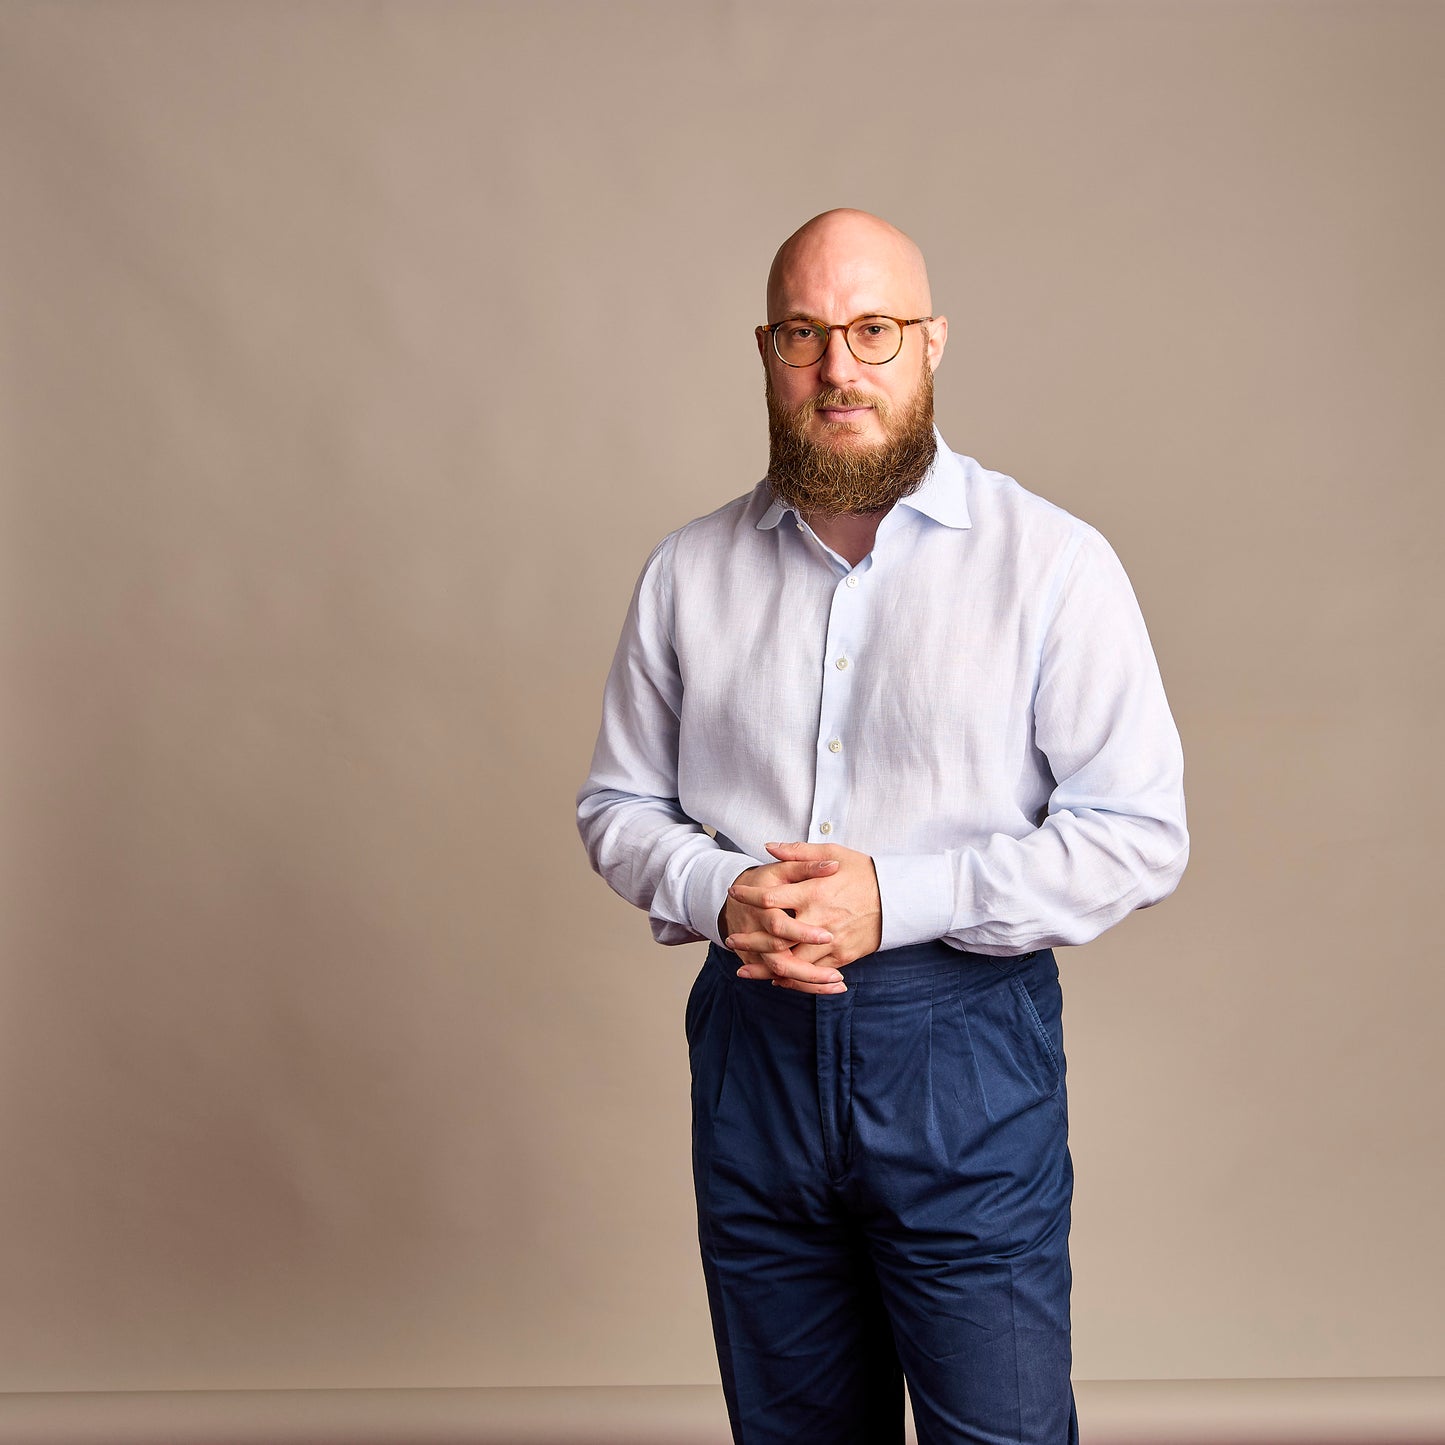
{"points": [[824, 333]]}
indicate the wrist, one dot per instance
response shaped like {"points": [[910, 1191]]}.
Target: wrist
{"points": [[724, 925]]}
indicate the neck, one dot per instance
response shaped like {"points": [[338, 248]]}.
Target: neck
{"points": [[849, 534]]}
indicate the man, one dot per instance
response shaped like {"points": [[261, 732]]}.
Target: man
{"points": [[941, 688]]}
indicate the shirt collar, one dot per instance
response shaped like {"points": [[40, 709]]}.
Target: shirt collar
{"points": [[941, 495]]}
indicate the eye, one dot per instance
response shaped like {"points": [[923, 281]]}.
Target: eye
{"points": [[799, 331]]}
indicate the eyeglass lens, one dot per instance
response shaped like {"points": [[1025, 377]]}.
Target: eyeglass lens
{"points": [[873, 339]]}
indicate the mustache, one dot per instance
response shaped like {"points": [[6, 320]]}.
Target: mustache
{"points": [[836, 398]]}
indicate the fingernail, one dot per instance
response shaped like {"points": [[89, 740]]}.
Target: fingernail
{"points": [[728, 941]]}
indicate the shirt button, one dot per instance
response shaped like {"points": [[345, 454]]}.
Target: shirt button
{"points": [[825, 828], [852, 581], [835, 746], [800, 526], [841, 664]]}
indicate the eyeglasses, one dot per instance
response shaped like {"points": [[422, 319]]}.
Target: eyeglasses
{"points": [[872, 339]]}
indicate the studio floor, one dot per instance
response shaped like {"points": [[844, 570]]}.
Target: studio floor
{"points": [[1154, 1412]]}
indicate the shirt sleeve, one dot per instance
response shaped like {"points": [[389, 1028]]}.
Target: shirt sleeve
{"points": [[1114, 837], [635, 831]]}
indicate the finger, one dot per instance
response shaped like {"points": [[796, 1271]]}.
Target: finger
{"points": [[780, 933], [825, 955], [767, 896], [797, 872], [760, 943], [798, 986], [784, 966], [794, 870], [803, 852], [763, 963], [754, 967]]}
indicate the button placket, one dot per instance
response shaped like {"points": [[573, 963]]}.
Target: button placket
{"points": [[846, 617]]}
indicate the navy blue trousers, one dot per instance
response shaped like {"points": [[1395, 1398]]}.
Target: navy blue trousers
{"points": [[883, 1189]]}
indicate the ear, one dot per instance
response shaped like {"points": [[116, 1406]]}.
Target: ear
{"points": [[762, 337], [937, 340]]}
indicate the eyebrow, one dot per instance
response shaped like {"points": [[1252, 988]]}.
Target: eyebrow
{"points": [[803, 316]]}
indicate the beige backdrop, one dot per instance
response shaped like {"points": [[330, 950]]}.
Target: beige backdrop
{"points": [[354, 356]]}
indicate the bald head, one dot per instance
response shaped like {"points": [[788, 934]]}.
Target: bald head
{"points": [[846, 251]]}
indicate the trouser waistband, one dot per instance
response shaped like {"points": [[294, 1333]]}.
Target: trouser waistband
{"points": [[917, 961]]}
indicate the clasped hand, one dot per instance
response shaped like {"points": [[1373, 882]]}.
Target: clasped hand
{"points": [[801, 920]]}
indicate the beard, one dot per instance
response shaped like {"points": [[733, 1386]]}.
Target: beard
{"points": [[830, 479]]}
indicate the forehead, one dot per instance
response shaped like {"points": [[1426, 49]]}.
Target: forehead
{"points": [[839, 278]]}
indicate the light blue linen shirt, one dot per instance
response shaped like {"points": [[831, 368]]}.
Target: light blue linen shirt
{"points": [[976, 704]]}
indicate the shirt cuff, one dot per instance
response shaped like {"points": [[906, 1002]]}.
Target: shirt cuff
{"points": [[708, 881], [916, 891]]}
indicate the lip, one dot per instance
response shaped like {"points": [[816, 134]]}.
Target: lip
{"points": [[843, 413]]}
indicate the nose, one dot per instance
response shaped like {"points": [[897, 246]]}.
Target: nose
{"points": [[838, 367]]}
